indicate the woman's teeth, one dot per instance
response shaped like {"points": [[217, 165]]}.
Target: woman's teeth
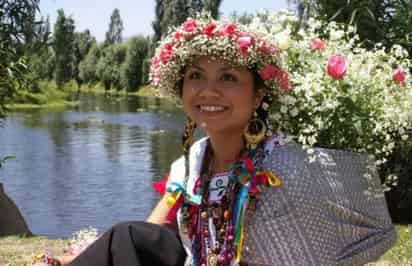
{"points": [[211, 108]]}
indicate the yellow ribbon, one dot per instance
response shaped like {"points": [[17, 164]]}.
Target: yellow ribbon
{"points": [[171, 200], [273, 179]]}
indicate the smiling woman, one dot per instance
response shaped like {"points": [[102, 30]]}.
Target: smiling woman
{"points": [[245, 195], [220, 98]]}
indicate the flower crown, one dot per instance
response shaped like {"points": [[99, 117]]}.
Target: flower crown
{"points": [[229, 41]]}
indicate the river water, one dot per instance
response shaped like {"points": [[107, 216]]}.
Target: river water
{"points": [[88, 166]]}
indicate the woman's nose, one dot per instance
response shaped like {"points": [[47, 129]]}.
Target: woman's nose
{"points": [[210, 88]]}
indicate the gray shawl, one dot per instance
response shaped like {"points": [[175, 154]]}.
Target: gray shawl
{"points": [[322, 213]]}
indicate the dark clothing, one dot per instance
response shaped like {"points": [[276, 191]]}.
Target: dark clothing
{"points": [[134, 244]]}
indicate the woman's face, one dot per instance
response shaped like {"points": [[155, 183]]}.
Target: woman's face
{"points": [[219, 97]]}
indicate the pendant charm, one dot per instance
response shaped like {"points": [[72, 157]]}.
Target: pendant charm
{"points": [[212, 259]]}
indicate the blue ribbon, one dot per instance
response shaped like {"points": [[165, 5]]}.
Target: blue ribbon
{"points": [[177, 187]]}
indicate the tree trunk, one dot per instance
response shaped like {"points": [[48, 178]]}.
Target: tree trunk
{"points": [[11, 219]]}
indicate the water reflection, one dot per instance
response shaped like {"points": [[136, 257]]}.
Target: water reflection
{"points": [[90, 166]]}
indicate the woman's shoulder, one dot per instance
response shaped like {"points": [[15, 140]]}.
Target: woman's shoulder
{"points": [[323, 174]]}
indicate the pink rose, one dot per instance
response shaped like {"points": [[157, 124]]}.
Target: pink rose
{"points": [[209, 29], [270, 72], [190, 25], [243, 43], [155, 62], [284, 81], [399, 76], [337, 66], [168, 46], [267, 49], [166, 53], [229, 29], [317, 44], [178, 36]]}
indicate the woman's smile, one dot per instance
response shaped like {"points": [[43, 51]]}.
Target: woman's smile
{"points": [[212, 108]]}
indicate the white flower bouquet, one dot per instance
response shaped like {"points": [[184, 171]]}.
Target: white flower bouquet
{"points": [[343, 96]]}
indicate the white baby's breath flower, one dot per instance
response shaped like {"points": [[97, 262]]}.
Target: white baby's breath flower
{"points": [[294, 112]]}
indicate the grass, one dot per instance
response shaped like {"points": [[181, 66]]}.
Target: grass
{"points": [[47, 96], [17, 251], [52, 105], [401, 253], [144, 91]]}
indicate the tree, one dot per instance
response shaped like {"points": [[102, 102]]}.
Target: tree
{"points": [[63, 47], [174, 12], [40, 58], [195, 6], [156, 24], [109, 65], [212, 6], [244, 18], [87, 67], [13, 18], [114, 34], [132, 69], [83, 41]]}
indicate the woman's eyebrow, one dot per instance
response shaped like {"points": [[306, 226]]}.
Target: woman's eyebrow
{"points": [[197, 67]]}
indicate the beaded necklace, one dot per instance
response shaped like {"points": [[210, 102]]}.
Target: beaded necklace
{"points": [[216, 229]]}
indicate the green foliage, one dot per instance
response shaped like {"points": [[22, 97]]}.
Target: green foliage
{"points": [[174, 12], [132, 69], [145, 71], [87, 67], [244, 18], [195, 6], [108, 67], [376, 21], [47, 92], [212, 6], [83, 41], [63, 47], [114, 34], [156, 24], [14, 16]]}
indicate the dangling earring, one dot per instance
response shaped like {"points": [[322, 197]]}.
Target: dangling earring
{"points": [[187, 139], [254, 132]]}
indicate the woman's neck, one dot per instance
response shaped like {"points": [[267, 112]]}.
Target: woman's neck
{"points": [[226, 149]]}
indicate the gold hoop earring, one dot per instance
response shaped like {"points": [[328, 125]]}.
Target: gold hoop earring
{"points": [[254, 133]]}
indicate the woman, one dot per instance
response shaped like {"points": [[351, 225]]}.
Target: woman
{"points": [[242, 195]]}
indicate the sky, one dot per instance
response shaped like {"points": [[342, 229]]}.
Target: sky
{"points": [[137, 15]]}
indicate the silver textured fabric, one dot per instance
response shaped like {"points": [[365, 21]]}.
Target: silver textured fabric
{"points": [[321, 214]]}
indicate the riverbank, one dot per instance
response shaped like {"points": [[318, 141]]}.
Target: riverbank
{"points": [[144, 91], [47, 96], [50, 97], [19, 250]]}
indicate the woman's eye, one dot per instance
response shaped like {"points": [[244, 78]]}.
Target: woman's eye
{"points": [[195, 75], [229, 77]]}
